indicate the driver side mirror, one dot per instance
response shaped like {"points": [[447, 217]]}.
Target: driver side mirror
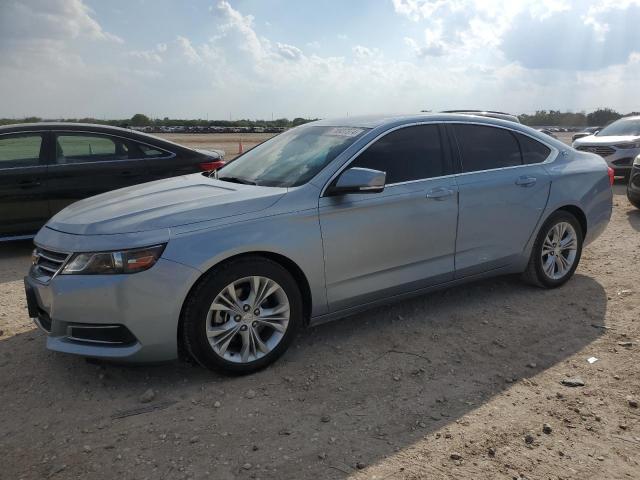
{"points": [[358, 180]]}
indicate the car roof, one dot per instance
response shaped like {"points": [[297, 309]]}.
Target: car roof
{"points": [[93, 127], [381, 123], [374, 121], [487, 113]]}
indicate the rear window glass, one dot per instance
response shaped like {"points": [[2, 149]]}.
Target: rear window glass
{"points": [[89, 148], [486, 148], [20, 150]]}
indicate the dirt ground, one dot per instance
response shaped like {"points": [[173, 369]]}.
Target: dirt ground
{"points": [[456, 384], [229, 142]]}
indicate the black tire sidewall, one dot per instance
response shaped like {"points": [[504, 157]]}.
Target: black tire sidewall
{"points": [[197, 307], [557, 217]]}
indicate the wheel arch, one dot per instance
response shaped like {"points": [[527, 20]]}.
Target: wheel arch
{"points": [[292, 267], [576, 212]]}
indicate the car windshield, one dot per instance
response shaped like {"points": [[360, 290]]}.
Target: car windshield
{"points": [[621, 127], [291, 158]]}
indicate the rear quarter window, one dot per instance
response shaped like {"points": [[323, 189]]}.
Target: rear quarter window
{"points": [[532, 150]]}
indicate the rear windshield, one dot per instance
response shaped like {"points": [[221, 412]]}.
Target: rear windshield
{"points": [[621, 128], [291, 158]]}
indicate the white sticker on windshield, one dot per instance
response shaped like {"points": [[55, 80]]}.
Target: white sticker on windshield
{"points": [[345, 131]]}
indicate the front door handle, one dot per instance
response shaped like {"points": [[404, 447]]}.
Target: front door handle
{"points": [[439, 193], [526, 181]]}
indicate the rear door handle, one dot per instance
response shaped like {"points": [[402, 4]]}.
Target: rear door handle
{"points": [[439, 193], [526, 181], [29, 184]]}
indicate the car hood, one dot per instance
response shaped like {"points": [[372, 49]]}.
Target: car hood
{"points": [[163, 204], [607, 140]]}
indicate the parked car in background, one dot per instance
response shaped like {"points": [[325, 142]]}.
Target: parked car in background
{"points": [[618, 143], [546, 131], [46, 166], [487, 113], [633, 187], [315, 224], [585, 133]]}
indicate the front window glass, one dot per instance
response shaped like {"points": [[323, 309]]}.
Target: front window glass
{"points": [[20, 150], [291, 158], [622, 127], [406, 154]]}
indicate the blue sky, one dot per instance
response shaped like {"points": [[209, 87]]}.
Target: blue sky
{"points": [[255, 59]]}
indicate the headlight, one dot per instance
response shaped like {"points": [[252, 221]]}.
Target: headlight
{"points": [[627, 146], [106, 263]]}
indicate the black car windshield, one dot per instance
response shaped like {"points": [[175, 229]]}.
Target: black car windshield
{"points": [[622, 127], [291, 158]]}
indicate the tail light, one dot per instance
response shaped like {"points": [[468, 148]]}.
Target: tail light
{"points": [[211, 166], [611, 175]]}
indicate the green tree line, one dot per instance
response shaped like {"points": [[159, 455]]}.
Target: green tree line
{"points": [[141, 120], [555, 118]]}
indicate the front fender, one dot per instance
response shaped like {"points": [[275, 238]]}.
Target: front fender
{"points": [[295, 236]]}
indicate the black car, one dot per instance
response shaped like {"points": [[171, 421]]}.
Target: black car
{"points": [[633, 187], [46, 166]]}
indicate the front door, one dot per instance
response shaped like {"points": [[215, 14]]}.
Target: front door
{"points": [[377, 245], [23, 201]]}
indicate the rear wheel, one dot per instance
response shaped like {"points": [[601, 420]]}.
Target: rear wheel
{"points": [[242, 316], [556, 251]]}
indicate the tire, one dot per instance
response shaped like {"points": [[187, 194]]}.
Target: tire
{"points": [[633, 199], [555, 276], [254, 337]]}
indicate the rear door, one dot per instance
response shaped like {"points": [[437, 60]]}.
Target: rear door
{"points": [[503, 191], [23, 196], [89, 163]]}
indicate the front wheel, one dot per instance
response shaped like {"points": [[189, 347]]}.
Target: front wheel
{"points": [[242, 316], [556, 251]]}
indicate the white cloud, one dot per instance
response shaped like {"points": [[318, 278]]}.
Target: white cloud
{"points": [[49, 20], [364, 53], [289, 51], [498, 54]]}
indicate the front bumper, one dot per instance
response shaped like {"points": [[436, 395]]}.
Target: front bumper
{"points": [[131, 318], [619, 159]]}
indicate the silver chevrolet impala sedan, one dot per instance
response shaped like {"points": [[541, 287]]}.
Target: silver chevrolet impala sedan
{"points": [[318, 223]]}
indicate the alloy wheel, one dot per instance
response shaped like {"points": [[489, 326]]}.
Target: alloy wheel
{"points": [[559, 250], [247, 319]]}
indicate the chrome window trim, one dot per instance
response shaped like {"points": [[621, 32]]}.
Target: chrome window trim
{"points": [[554, 152], [88, 132]]}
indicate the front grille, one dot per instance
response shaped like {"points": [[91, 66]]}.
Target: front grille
{"points": [[47, 263], [601, 150]]}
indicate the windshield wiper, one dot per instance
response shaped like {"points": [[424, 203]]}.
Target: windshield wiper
{"points": [[243, 181]]}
